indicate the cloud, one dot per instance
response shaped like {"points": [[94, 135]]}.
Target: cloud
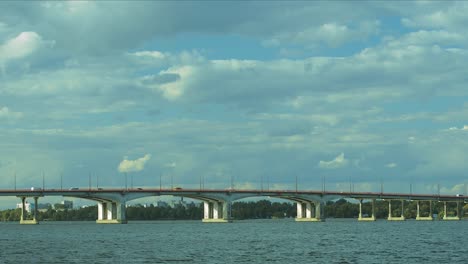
{"points": [[332, 34], [20, 46], [457, 188], [161, 78], [391, 165], [225, 101], [133, 165], [101, 27], [464, 128], [151, 54], [336, 163], [448, 16], [6, 113]]}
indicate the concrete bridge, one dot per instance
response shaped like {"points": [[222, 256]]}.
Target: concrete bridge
{"points": [[217, 203]]}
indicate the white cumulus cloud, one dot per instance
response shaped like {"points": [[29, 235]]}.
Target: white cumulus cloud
{"points": [[457, 188], [133, 165], [20, 46], [152, 54], [338, 162], [391, 165]]}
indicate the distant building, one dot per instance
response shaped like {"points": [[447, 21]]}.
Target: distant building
{"points": [[181, 202], [64, 205], [29, 207]]}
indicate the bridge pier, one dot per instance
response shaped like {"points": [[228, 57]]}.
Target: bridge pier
{"points": [[396, 218], [424, 218], [217, 212], [111, 213], [456, 217], [368, 218], [309, 212], [23, 219]]}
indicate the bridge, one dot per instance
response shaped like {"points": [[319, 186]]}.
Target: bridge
{"points": [[217, 203]]}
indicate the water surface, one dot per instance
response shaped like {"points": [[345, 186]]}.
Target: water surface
{"points": [[252, 241]]}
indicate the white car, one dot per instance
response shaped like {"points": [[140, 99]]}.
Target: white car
{"points": [[36, 189]]}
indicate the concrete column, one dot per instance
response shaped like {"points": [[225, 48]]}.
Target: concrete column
{"points": [[373, 209], [100, 211], [318, 211], [402, 208], [457, 217], [227, 211], [389, 209], [215, 210], [206, 210], [360, 209], [121, 213], [112, 213], [35, 209], [417, 210], [445, 210], [23, 219], [211, 210], [396, 218], [308, 210], [220, 210], [418, 213], [108, 212], [114, 210], [23, 209], [299, 210], [371, 218]]}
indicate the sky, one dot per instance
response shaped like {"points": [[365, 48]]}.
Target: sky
{"points": [[353, 94]]}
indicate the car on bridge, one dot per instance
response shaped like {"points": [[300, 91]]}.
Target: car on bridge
{"points": [[36, 189], [74, 189]]}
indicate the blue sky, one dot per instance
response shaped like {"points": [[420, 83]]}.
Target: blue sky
{"points": [[235, 90]]}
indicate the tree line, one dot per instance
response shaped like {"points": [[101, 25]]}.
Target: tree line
{"points": [[262, 209]]}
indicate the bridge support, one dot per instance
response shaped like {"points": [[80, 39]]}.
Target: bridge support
{"points": [[366, 218], [456, 217], [111, 213], [23, 219], [309, 212], [217, 212], [423, 218], [396, 218]]}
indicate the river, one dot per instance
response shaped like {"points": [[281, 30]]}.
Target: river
{"points": [[250, 241]]}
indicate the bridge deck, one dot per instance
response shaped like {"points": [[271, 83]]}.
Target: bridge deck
{"points": [[272, 193]]}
